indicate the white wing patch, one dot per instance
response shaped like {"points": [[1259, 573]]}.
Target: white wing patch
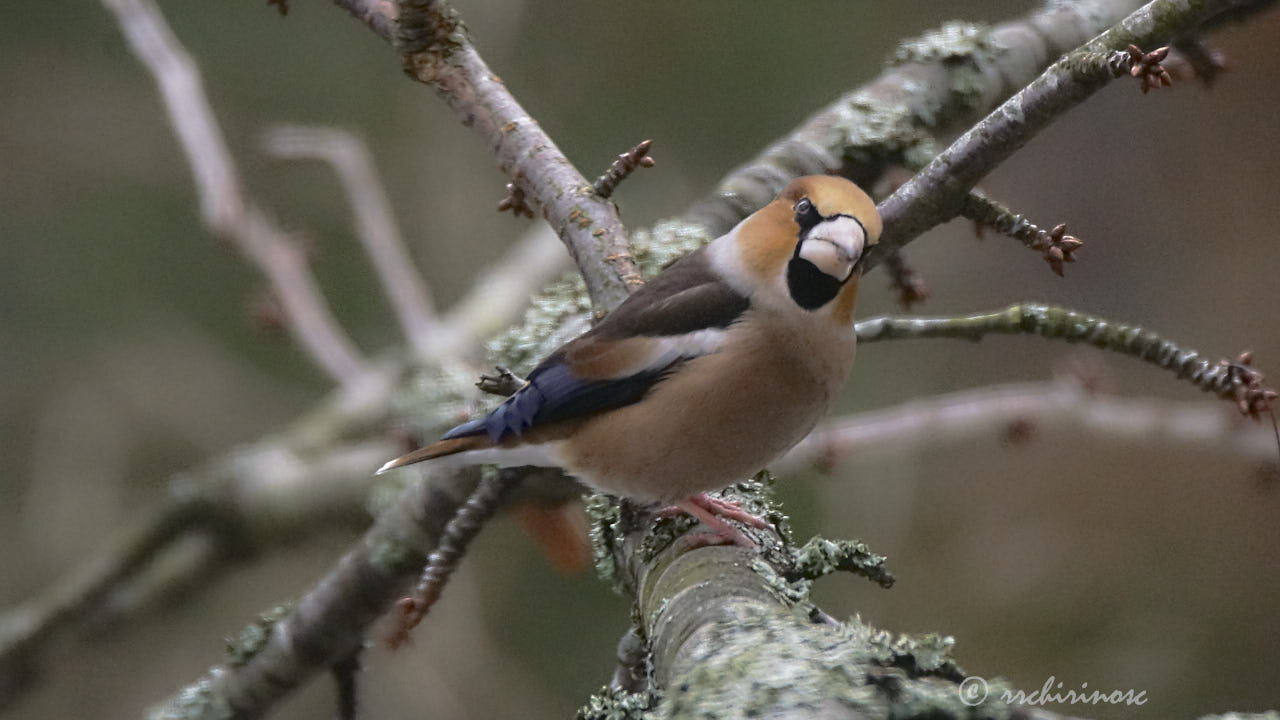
{"points": [[663, 351]]}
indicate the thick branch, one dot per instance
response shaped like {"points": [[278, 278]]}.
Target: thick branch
{"points": [[941, 81], [224, 205], [439, 53]]}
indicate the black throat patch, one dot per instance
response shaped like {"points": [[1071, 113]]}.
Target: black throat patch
{"points": [[810, 287]]}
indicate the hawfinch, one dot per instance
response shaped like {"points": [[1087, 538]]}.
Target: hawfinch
{"points": [[713, 369]]}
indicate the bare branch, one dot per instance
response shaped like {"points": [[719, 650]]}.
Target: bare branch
{"points": [[906, 282], [438, 52], [938, 193], [503, 290], [224, 205], [454, 541], [622, 167], [375, 222], [1231, 380], [1019, 413], [1205, 62], [1055, 244]]}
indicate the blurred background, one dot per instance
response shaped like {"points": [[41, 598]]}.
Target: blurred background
{"points": [[127, 353]]}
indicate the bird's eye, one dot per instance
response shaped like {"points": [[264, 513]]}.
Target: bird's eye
{"points": [[804, 207]]}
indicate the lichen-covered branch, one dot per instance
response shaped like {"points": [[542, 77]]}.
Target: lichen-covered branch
{"points": [[938, 192], [375, 222], [1228, 379], [225, 206], [943, 80], [437, 51], [733, 634]]}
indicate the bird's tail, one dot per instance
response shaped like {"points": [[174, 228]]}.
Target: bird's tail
{"points": [[448, 446]]}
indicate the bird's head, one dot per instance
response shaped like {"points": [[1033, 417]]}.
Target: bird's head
{"points": [[812, 236]]}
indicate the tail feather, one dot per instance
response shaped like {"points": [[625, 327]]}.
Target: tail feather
{"points": [[448, 446]]}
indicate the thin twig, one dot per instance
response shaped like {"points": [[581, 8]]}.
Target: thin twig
{"points": [[1020, 413], [1204, 61], [938, 193], [225, 207], [622, 167], [1228, 379], [503, 383], [1056, 246], [905, 281], [346, 681], [375, 222], [438, 52], [465, 525], [1145, 66]]}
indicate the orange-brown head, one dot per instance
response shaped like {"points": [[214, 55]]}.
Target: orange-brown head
{"points": [[816, 231]]}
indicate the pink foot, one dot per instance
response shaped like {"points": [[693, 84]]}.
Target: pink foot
{"points": [[712, 512]]}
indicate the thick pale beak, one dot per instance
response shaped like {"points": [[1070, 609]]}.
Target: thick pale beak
{"points": [[834, 246]]}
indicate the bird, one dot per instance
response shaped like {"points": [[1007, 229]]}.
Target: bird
{"points": [[703, 376]]}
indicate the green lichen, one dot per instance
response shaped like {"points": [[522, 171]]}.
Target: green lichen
{"points": [[394, 557], [561, 311], [197, 700], [437, 396], [556, 314], [954, 42], [965, 49], [789, 591], [821, 556], [604, 516], [769, 662], [254, 636], [655, 248], [616, 704]]}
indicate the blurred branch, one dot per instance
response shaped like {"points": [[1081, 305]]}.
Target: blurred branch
{"points": [[250, 500], [438, 52], [379, 15], [225, 207], [1230, 380], [1018, 413], [938, 192], [375, 222], [504, 287], [905, 281], [490, 494]]}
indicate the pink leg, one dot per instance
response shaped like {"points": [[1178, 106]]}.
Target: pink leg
{"points": [[729, 509], [712, 513]]}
